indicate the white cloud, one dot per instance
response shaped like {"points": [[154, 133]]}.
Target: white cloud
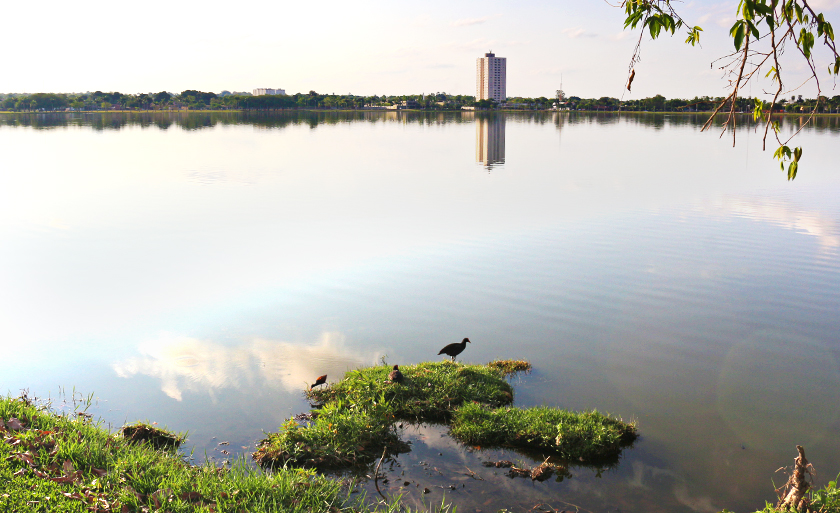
{"points": [[479, 44], [824, 4], [470, 21], [575, 32]]}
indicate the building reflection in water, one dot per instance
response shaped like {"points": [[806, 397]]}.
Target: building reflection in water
{"points": [[490, 140]]}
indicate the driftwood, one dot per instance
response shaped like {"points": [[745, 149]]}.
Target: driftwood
{"points": [[540, 473], [792, 494]]}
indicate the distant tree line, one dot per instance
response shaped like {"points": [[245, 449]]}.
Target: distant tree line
{"points": [[659, 103], [198, 100]]}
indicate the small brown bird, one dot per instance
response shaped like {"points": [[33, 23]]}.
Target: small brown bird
{"points": [[455, 348], [319, 381], [396, 376]]}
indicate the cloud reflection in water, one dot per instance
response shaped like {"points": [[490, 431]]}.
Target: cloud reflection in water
{"points": [[785, 214], [190, 364]]}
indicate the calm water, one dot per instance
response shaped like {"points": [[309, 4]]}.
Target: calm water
{"points": [[200, 270]]}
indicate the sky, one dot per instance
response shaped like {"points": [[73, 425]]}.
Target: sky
{"points": [[365, 48]]}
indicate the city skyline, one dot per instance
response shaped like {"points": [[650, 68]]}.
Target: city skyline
{"points": [[395, 50]]}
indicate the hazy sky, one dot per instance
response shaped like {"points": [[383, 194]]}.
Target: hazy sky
{"points": [[368, 47]]}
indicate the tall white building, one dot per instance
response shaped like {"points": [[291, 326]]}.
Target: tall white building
{"points": [[491, 77], [263, 91]]}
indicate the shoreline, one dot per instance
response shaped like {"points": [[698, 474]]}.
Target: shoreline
{"points": [[204, 111]]}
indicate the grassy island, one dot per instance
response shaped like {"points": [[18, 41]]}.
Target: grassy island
{"points": [[356, 420]]}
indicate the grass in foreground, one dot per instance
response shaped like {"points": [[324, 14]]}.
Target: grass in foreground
{"points": [[359, 413], [51, 462]]}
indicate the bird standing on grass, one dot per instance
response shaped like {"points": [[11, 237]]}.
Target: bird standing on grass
{"points": [[319, 381], [455, 348], [396, 376]]}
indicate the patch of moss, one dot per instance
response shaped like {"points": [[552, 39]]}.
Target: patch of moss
{"points": [[158, 438], [510, 367]]}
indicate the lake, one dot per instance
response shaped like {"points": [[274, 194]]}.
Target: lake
{"points": [[200, 270]]}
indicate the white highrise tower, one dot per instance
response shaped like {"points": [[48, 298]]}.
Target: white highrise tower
{"points": [[491, 77]]}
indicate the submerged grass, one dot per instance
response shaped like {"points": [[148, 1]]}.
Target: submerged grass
{"points": [[358, 416], [51, 462]]}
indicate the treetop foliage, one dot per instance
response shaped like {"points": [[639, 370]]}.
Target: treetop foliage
{"points": [[760, 34]]}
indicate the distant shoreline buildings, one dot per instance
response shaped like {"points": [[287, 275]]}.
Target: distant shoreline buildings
{"points": [[264, 91], [491, 78]]}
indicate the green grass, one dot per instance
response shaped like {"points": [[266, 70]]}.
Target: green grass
{"points": [[579, 436], [67, 463], [357, 420], [429, 392], [338, 437]]}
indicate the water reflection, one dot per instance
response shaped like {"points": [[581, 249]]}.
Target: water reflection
{"points": [[490, 140], [641, 288], [184, 363], [784, 214], [188, 120]]}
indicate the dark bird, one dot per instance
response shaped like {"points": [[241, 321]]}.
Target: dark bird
{"points": [[455, 348], [319, 381], [396, 376]]}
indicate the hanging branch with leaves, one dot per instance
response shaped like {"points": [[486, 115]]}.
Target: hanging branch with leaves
{"points": [[760, 34]]}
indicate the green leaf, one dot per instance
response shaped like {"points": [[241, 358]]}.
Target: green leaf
{"points": [[745, 9], [753, 29], [740, 32], [763, 8], [694, 35], [787, 11], [792, 169], [654, 27], [758, 109], [782, 152], [806, 42]]}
